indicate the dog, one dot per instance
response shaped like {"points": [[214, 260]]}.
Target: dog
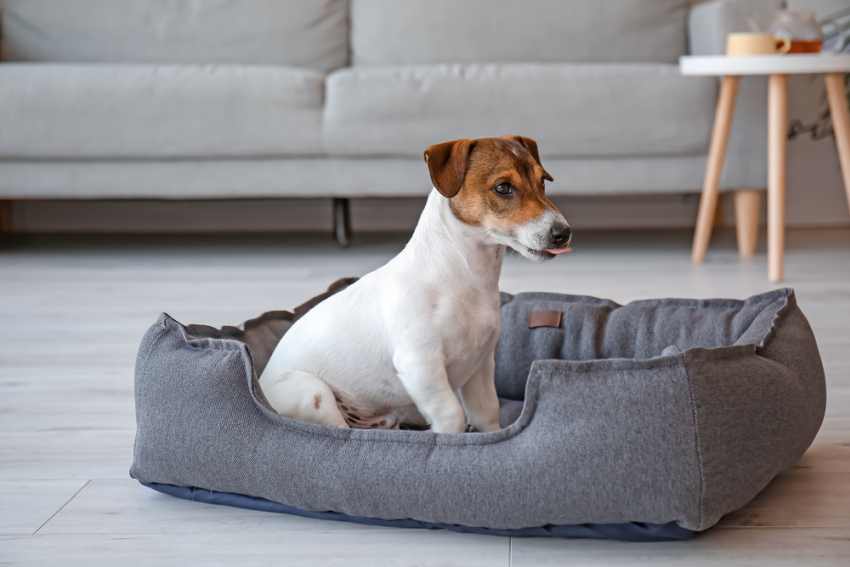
{"points": [[413, 342]]}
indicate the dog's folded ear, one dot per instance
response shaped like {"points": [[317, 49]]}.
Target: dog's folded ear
{"points": [[531, 146], [447, 164]]}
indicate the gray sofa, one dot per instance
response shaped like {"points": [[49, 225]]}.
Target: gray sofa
{"points": [[334, 98]]}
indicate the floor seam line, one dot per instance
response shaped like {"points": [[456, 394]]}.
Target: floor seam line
{"points": [[62, 507]]}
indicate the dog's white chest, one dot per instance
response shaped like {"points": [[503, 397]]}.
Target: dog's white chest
{"points": [[470, 328]]}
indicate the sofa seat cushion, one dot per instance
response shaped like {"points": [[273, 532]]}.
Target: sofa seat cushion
{"points": [[572, 110], [304, 33], [149, 111]]}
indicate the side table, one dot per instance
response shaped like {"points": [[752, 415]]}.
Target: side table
{"points": [[777, 67]]}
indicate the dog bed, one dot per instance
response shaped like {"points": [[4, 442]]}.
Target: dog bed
{"points": [[644, 421]]}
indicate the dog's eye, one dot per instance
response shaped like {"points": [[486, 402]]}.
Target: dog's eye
{"points": [[504, 189]]}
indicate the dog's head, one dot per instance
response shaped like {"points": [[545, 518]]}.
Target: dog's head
{"points": [[498, 184]]}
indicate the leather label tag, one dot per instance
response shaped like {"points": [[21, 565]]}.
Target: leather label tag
{"points": [[544, 319]]}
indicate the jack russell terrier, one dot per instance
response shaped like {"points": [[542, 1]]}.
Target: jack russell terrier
{"points": [[413, 343]]}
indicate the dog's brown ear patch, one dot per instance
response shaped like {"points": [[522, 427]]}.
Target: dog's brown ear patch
{"points": [[531, 146], [447, 164]]}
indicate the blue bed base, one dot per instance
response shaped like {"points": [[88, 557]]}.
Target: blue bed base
{"points": [[630, 531]]}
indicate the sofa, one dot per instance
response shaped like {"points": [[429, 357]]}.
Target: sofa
{"points": [[191, 99]]}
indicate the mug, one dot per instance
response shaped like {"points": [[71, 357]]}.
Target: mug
{"points": [[756, 44]]}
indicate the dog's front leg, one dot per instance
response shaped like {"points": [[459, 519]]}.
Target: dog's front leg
{"points": [[423, 376], [480, 398]]}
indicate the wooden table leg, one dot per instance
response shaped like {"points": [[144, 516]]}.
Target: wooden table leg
{"points": [[777, 141], [716, 156], [840, 124], [747, 209]]}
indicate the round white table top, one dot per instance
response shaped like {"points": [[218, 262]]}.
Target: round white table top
{"points": [[764, 64]]}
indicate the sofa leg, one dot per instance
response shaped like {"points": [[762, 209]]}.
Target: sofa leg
{"points": [[342, 221], [747, 213], [5, 217]]}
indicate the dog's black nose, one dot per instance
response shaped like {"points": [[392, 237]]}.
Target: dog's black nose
{"points": [[560, 235]]}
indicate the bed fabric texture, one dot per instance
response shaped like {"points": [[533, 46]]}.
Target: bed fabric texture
{"points": [[649, 420]]}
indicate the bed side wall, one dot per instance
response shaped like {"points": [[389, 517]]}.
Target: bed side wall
{"points": [[757, 413], [589, 450]]}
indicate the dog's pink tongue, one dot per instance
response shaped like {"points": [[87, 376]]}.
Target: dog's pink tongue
{"points": [[559, 251]]}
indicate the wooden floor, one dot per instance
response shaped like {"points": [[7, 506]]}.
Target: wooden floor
{"points": [[72, 311]]}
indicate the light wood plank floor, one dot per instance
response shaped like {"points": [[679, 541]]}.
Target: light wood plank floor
{"points": [[72, 311]]}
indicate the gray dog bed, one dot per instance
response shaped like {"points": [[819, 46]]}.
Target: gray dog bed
{"points": [[645, 421]]}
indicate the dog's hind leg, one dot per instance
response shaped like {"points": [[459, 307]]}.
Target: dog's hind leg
{"points": [[303, 396]]}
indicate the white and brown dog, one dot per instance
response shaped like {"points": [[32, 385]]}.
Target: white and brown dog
{"points": [[414, 341]]}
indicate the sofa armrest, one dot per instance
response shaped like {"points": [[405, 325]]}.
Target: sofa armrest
{"points": [[708, 25], [710, 22]]}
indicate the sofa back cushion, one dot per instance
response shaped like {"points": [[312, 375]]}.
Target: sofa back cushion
{"points": [[304, 33], [503, 31]]}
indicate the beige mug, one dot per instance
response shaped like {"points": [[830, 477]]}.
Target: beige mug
{"points": [[756, 44]]}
